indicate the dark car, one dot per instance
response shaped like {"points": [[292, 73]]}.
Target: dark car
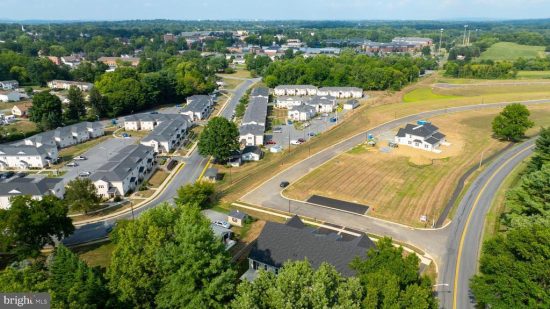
{"points": [[284, 184], [270, 142], [301, 140]]}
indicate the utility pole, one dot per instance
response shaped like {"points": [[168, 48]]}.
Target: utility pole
{"points": [[481, 159]]}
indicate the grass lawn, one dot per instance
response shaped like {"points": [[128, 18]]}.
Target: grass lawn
{"points": [[21, 125], [407, 183], [231, 84], [533, 75], [239, 72], [158, 177], [511, 51], [422, 94], [379, 108], [97, 254]]}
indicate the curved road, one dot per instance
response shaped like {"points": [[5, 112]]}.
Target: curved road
{"points": [[194, 165], [440, 244]]}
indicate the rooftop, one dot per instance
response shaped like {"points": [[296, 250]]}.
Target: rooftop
{"points": [[256, 111], [33, 185]]}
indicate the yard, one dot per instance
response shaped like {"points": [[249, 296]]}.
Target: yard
{"points": [[96, 254], [533, 75], [406, 183], [511, 51], [157, 178]]}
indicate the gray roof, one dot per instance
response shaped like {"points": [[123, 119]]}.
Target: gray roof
{"points": [[211, 173], [33, 185], [295, 87], [279, 243], [23, 150], [321, 100], [237, 214], [155, 117], [425, 130], [165, 130], [252, 149], [197, 103], [340, 89], [254, 129], [256, 111], [304, 109], [120, 165], [260, 91]]}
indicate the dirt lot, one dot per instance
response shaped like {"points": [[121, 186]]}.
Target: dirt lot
{"points": [[406, 183]]}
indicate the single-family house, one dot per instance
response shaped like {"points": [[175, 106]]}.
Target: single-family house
{"points": [[322, 103], [251, 153], [35, 186], [21, 110], [288, 101], [27, 157], [236, 217], [9, 84], [341, 92], [422, 136], [294, 241], [301, 113], [123, 172], [9, 96], [198, 107], [295, 90]]}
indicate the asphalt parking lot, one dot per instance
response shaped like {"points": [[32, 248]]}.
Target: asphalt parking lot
{"points": [[318, 125], [96, 156]]}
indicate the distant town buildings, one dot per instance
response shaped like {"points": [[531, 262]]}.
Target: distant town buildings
{"points": [[65, 84], [113, 62]]}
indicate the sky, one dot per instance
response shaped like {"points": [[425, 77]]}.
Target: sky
{"points": [[273, 9]]}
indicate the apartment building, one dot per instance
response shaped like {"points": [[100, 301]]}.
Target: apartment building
{"points": [[198, 107], [35, 186], [341, 92], [67, 136], [66, 84], [295, 90], [27, 157], [167, 135]]}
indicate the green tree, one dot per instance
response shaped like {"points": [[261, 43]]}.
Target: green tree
{"points": [[198, 193], [98, 104], [81, 195], [46, 110], [73, 284], [298, 285], [512, 122], [391, 279], [542, 150], [20, 277], [76, 108], [426, 51], [220, 139], [514, 269], [30, 224], [169, 258]]}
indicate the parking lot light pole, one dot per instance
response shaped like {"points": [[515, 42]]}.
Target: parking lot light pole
{"points": [[289, 206]]}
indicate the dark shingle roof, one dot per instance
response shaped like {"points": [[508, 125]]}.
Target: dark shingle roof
{"points": [[279, 243], [237, 214], [252, 149], [30, 185], [418, 130], [260, 92]]}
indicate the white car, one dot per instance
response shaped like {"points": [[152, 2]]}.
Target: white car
{"points": [[295, 142], [80, 158], [275, 149], [223, 224], [72, 164], [84, 174]]}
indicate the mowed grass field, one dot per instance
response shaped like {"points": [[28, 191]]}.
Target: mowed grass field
{"points": [[511, 51], [533, 75], [425, 93], [403, 185]]}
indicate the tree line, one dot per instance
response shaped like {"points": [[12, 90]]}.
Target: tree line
{"points": [[348, 69], [515, 264]]}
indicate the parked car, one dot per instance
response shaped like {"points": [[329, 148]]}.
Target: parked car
{"points": [[324, 115], [222, 223], [301, 140], [306, 124], [84, 174], [393, 145], [125, 135], [284, 184], [333, 119], [270, 142], [294, 142], [277, 130], [153, 113], [311, 134], [275, 149], [72, 164], [80, 158]]}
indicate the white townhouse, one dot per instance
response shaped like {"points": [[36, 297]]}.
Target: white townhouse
{"points": [[322, 104], [301, 113], [341, 92], [9, 96], [123, 172], [67, 136], [35, 186], [251, 134], [198, 107], [9, 84], [295, 90], [288, 101], [167, 135], [27, 157], [66, 84], [422, 136]]}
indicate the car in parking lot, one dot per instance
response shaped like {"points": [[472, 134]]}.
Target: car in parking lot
{"points": [[84, 174], [125, 135], [284, 184], [80, 158], [270, 142], [333, 119], [311, 134], [222, 223], [72, 164], [294, 142], [275, 149], [277, 130]]}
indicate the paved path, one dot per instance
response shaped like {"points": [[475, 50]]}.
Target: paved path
{"points": [[194, 165]]}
